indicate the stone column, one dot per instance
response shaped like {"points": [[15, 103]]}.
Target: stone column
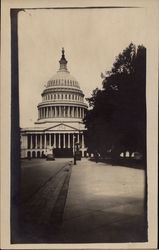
{"points": [[73, 114], [40, 146], [27, 141], [31, 142], [52, 113], [44, 141], [82, 145], [59, 111], [74, 111], [68, 111], [64, 111], [77, 113], [36, 141], [64, 140], [54, 140], [68, 140], [73, 144], [50, 140], [49, 112], [59, 141], [78, 139]]}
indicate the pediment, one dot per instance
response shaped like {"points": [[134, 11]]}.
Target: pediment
{"points": [[61, 127]]}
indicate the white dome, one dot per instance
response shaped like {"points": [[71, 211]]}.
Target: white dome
{"points": [[62, 97], [63, 79]]}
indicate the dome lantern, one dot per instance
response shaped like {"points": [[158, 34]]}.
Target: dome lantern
{"points": [[63, 61]]}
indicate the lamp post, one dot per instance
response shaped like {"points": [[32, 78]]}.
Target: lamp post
{"points": [[74, 153]]}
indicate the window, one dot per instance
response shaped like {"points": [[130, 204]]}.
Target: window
{"points": [[65, 96]]}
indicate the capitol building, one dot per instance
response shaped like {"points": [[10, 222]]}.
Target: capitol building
{"points": [[60, 118]]}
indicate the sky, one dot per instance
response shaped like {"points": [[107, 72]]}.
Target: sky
{"points": [[92, 39]]}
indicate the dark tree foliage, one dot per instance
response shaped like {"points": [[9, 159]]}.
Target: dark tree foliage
{"points": [[117, 119]]}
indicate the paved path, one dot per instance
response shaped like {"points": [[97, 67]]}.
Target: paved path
{"points": [[104, 204], [85, 203], [36, 172], [44, 191]]}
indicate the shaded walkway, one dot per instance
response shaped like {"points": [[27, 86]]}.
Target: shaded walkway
{"points": [[104, 204]]}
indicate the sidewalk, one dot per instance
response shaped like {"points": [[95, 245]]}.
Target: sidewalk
{"points": [[104, 204]]}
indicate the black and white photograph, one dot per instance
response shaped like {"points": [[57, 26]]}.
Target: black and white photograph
{"points": [[80, 95]]}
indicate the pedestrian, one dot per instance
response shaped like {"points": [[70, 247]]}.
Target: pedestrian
{"points": [[74, 159], [96, 156]]}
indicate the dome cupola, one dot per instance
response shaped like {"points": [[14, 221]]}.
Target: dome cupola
{"points": [[63, 62]]}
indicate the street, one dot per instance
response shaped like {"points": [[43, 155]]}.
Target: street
{"points": [[87, 202]]}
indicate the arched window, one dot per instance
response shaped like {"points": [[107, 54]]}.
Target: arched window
{"points": [[55, 96]]}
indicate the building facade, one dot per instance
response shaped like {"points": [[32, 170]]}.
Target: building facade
{"points": [[60, 118]]}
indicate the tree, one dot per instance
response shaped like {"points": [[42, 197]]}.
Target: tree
{"points": [[117, 119]]}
